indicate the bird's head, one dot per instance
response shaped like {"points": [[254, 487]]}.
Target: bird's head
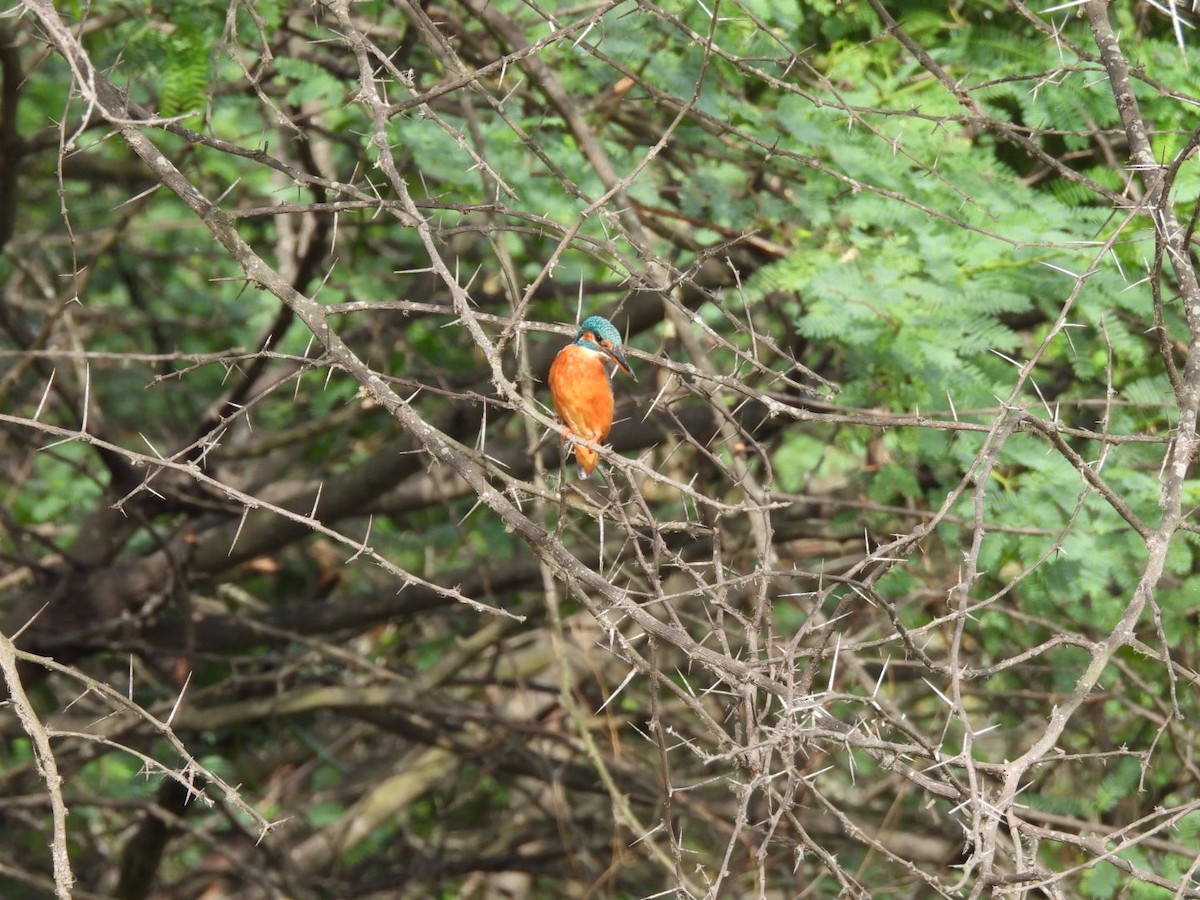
{"points": [[601, 336]]}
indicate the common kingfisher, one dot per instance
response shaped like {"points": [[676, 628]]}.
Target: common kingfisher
{"points": [[580, 386]]}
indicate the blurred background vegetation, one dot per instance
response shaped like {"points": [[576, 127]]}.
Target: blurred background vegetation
{"points": [[897, 486]]}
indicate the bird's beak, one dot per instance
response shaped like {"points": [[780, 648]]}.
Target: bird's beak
{"points": [[615, 354]]}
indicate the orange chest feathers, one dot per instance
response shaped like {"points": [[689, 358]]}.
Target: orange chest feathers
{"points": [[582, 392]]}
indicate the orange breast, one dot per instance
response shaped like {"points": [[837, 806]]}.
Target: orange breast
{"points": [[583, 398]]}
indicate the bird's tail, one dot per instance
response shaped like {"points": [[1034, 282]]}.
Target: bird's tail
{"points": [[587, 459]]}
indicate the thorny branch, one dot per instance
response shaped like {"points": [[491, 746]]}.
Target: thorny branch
{"points": [[803, 717]]}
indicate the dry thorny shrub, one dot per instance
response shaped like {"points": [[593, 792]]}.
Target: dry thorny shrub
{"points": [[308, 603]]}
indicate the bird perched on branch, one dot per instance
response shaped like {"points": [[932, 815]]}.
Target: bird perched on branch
{"points": [[580, 386]]}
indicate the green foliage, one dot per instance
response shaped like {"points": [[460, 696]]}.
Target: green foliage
{"points": [[866, 221], [118, 771], [185, 76], [56, 491], [1188, 827], [802, 458], [321, 814], [1102, 881], [1116, 785], [176, 62], [308, 82], [919, 312]]}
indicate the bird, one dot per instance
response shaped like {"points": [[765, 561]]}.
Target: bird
{"points": [[581, 389]]}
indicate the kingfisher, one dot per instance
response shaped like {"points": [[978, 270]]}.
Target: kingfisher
{"points": [[580, 386]]}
